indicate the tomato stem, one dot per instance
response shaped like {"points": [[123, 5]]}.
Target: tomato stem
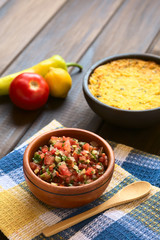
{"points": [[71, 64], [33, 85]]}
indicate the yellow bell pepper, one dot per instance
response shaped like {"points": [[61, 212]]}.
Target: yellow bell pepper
{"points": [[59, 82], [41, 68]]}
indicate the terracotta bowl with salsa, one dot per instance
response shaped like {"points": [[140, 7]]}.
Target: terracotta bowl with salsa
{"points": [[125, 89], [68, 167]]}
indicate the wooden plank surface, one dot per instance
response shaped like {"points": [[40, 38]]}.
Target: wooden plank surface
{"points": [[58, 36], [69, 33], [3, 2], [154, 48], [20, 22], [80, 115]]}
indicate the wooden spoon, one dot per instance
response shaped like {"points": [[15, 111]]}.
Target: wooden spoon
{"points": [[129, 193]]}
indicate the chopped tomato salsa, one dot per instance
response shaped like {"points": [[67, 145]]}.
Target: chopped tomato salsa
{"points": [[66, 161]]}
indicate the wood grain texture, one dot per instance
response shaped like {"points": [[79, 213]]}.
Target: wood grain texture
{"points": [[20, 22], [74, 111], [69, 35], [154, 48], [3, 2]]}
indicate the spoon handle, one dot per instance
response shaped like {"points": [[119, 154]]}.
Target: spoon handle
{"points": [[60, 226], [136, 190]]}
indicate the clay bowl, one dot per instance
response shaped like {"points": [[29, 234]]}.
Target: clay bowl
{"points": [[117, 116], [67, 197]]}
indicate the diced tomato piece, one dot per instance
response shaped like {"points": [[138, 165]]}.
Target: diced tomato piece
{"points": [[82, 166], [90, 171], [80, 178], [57, 173], [106, 163], [104, 155], [63, 169], [66, 153], [45, 149], [58, 145], [65, 138], [51, 167], [45, 176], [90, 148], [82, 158], [75, 155], [83, 152], [101, 159], [53, 151], [67, 179], [42, 155], [86, 146], [73, 142], [67, 146], [70, 163], [48, 159], [53, 138], [34, 166]]}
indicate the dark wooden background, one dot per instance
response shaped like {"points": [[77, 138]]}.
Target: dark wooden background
{"points": [[79, 30]]}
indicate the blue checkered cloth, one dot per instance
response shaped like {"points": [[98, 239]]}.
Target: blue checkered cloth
{"points": [[23, 216]]}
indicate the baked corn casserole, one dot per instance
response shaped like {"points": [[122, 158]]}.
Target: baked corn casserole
{"points": [[129, 84]]}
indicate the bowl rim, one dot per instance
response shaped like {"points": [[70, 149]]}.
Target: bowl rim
{"points": [[28, 171], [149, 57]]}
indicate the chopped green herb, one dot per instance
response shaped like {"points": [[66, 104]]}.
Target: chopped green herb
{"points": [[82, 143], [43, 167], [79, 151], [64, 158], [47, 170], [36, 158], [72, 181], [94, 156]]}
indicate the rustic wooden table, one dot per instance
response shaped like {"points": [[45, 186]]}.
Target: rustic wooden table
{"points": [[83, 31]]}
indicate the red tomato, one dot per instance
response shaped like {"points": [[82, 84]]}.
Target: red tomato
{"points": [[34, 166], [89, 171], [63, 169], [82, 158], [51, 167], [86, 146], [29, 91], [48, 159], [82, 166], [45, 149], [75, 155], [53, 151], [67, 146], [45, 176], [58, 145], [53, 138]]}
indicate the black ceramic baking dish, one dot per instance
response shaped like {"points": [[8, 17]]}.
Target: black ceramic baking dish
{"points": [[117, 116]]}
